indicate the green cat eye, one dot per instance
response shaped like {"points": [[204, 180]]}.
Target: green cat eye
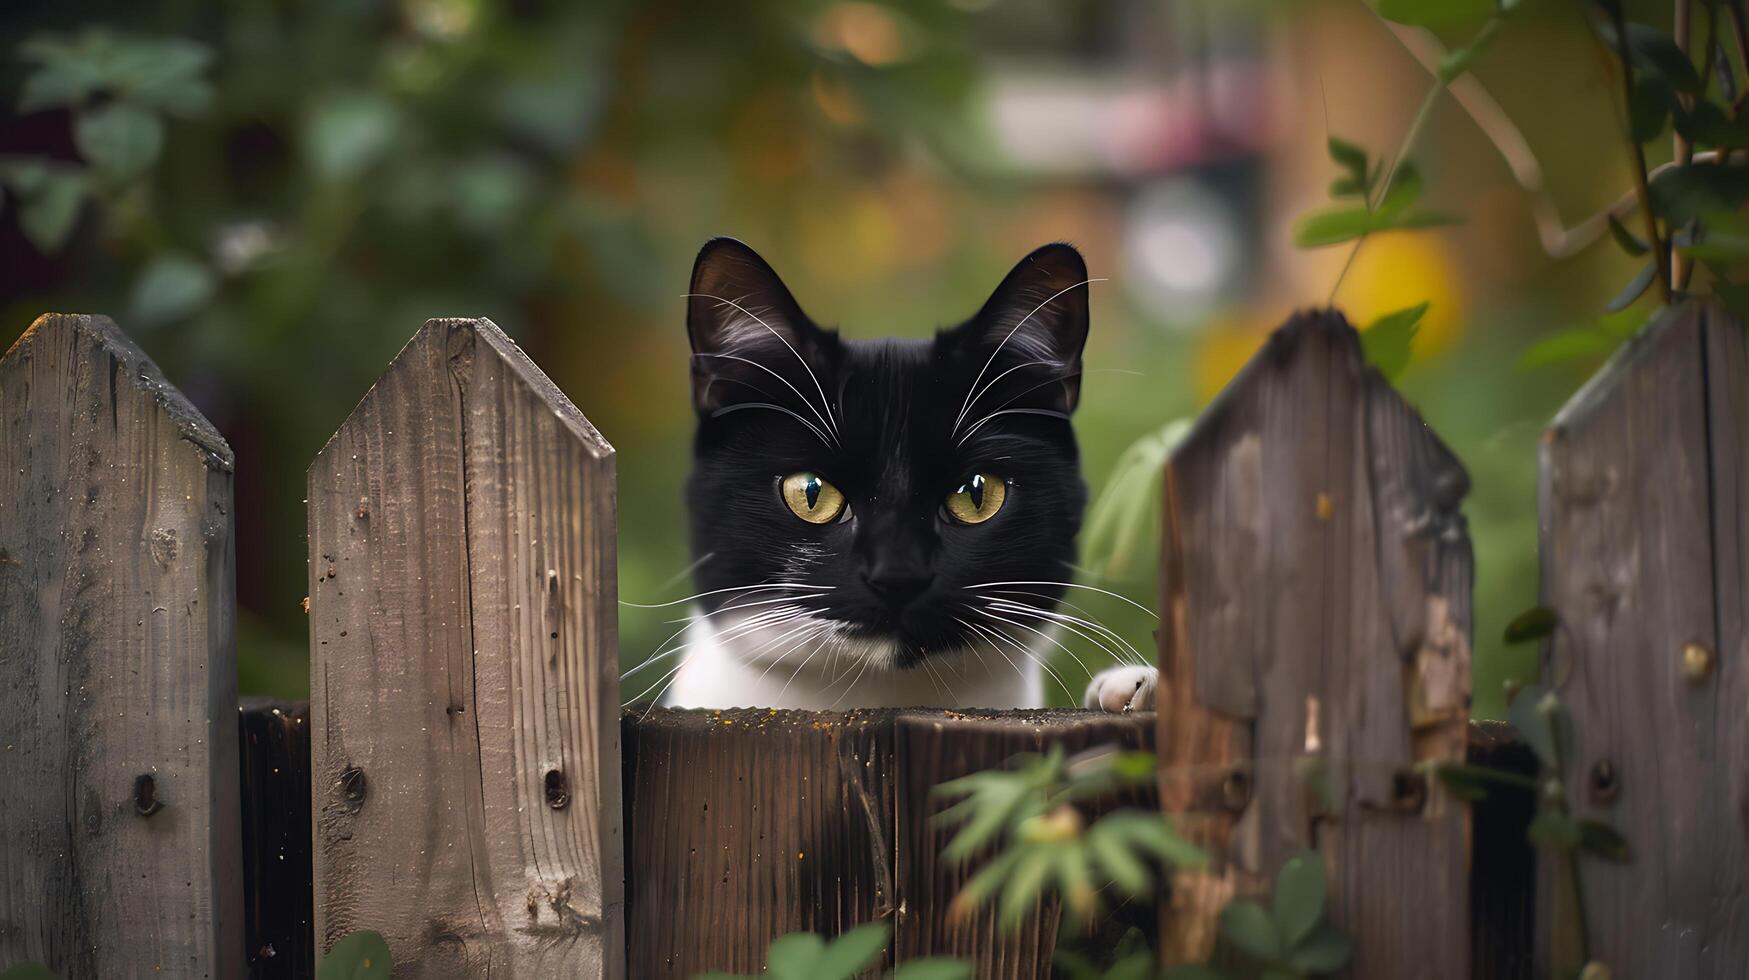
{"points": [[811, 498], [978, 499]]}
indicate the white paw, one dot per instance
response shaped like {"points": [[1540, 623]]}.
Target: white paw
{"points": [[1124, 688]]}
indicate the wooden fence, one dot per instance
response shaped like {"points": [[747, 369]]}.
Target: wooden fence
{"points": [[463, 781]]}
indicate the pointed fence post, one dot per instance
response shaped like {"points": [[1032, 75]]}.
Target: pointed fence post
{"points": [[1644, 547], [119, 851], [464, 686], [1314, 647]]}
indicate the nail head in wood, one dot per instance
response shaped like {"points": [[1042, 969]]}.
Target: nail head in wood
{"points": [[1605, 782], [1697, 662]]}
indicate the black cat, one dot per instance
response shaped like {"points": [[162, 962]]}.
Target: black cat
{"points": [[885, 522]]}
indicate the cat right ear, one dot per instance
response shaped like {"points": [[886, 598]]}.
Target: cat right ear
{"points": [[750, 339]]}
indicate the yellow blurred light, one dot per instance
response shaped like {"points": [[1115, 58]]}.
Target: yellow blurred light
{"points": [[867, 32], [1224, 348], [1399, 269]]}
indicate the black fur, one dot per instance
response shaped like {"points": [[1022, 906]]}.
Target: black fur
{"points": [[895, 455]]}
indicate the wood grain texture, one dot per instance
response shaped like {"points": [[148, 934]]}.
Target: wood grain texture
{"points": [[745, 825], [465, 696], [118, 730], [274, 738], [1642, 495], [1317, 576]]}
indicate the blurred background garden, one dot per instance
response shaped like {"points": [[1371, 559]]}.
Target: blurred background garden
{"points": [[271, 196]]}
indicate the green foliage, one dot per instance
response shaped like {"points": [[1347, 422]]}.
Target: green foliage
{"points": [[361, 955], [1126, 515], [1030, 810], [28, 971], [1388, 340], [1287, 939], [806, 956], [1532, 624], [1393, 211], [1593, 341]]}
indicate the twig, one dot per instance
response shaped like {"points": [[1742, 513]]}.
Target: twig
{"points": [[1683, 150], [1660, 255]]}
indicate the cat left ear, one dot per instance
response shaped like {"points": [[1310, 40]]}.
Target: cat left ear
{"points": [[747, 331], [1035, 325]]}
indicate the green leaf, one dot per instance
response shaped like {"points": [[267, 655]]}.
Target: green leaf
{"points": [[1681, 194], [851, 952], [1569, 345], [1343, 187], [1246, 925], [1604, 841], [361, 955], [120, 139], [1137, 966], [1722, 237], [1467, 783], [1532, 724], [1421, 219], [1332, 227], [1150, 831], [1655, 52], [1707, 124], [349, 132], [1532, 624], [934, 968], [1124, 867], [1350, 158], [795, 956], [1629, 242], [1388, 340], [28, 971], [1635, 288], [1298, 902], [1027, 882], [983, 884], [162, 73], [1324, 951], [50, 87], [49, 198], [1436, 13], [1553, 829], [1403, 190], [170, 288], [1648, 108]]}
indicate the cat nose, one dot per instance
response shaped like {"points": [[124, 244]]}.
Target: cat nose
{"points": [[898, 586]]}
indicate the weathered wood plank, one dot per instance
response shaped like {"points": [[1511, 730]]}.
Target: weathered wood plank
{"points": [[745, 825], [118, 730], [274, 738], [1643, 553], [465, 697], [1316, 580]]}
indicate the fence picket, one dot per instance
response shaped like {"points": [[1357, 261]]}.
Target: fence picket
{"points": [[1317, 577], [118, 692], [464, 688]]}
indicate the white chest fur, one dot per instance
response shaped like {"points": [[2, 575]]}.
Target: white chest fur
{"points": [[815, 666]]}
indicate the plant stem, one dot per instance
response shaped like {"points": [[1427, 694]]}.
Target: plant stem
{"points": [[1660, 255], [1684, 151], [1413, 135]]}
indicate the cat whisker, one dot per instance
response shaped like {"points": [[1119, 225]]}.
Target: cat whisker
{"points": [[740, 605], [798, 671], [735, 588], [775, 333], [966, 408], [980, 392], [786, 384], [1076, 621], [766, 618], [1048, 637], [809, 629], [1019, 395], [1068, 585], [1046, 412], [1024, 651], [1117, 654]]}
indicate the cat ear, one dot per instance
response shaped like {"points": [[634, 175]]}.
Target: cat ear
{"points": [[750, 340], [1033, 327]]}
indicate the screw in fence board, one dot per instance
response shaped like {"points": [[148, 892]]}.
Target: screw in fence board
{"points": [[274, 739], [118, 691], [1644, 543], [745, 825], [1316, 645], [464, 687]]}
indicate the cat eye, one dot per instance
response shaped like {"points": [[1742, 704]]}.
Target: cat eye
{"points": [[978, 499], [811, 498]]}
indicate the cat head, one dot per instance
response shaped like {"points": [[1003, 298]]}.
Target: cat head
{"points": [[889, 492]]}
